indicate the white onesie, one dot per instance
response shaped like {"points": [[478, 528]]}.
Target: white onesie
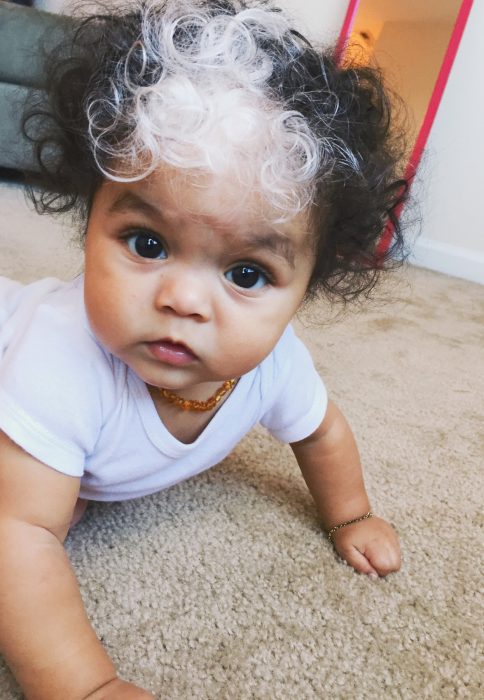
{"points": [[75, 407]]}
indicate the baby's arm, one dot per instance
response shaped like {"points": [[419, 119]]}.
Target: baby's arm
{"points": [[45, 634], [331, 467]]}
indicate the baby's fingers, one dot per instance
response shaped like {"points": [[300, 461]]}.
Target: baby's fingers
{"points": [[357, 560], [385, 557]]}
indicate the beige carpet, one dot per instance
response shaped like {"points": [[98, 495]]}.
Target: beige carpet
{"points": [[225, 588]]}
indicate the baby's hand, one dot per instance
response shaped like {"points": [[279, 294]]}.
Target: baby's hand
{"points": [[370, 546]]}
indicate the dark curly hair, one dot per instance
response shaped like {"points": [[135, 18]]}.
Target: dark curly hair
{"points": [[226, 86]]}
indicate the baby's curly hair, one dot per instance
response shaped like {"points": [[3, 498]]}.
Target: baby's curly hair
{"points": [[228, 88]]}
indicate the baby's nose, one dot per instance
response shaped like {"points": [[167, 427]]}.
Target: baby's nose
{"points": [[185, 292]]}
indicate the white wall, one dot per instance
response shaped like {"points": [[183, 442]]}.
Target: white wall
{"points": [[452, 176], [319, 19]]}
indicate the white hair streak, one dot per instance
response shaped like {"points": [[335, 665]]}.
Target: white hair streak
{"points": [[209, 108]]}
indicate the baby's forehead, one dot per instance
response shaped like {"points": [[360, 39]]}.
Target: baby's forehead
{"points": [[182, 194], [176, 198]]}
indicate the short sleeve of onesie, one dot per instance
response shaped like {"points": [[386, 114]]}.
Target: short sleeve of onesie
{"points": [[49, 379], [299, 398]]}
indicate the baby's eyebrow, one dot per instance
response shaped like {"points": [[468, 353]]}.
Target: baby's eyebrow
{"points": [[275, 242], [129, 201]]}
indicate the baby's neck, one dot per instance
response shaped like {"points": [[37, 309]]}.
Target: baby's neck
{"points": [[185, 425]]}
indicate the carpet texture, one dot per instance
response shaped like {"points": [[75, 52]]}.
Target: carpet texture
{"points": [[224, 587]]}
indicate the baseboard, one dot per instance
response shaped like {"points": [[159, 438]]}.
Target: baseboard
{"points": [[452, 260]]}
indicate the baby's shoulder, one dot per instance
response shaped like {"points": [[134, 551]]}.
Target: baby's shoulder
{"points": [[289, 359], [56, 387], [47, 327], [288, 349]]}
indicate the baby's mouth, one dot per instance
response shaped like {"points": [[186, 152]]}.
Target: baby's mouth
{"points": [[171, 353]]}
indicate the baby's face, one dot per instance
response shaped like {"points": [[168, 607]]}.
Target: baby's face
{"points": [[183, 290]]}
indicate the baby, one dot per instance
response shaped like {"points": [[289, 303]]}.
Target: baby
{"points": [[224, 171]]}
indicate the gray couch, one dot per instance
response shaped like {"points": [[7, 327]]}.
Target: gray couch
{"points": [[25, 34]]}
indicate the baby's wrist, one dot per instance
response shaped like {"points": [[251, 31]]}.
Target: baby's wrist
{"points": [[331, 531]]}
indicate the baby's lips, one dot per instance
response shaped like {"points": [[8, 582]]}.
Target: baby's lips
{"points": [[171, 353]]}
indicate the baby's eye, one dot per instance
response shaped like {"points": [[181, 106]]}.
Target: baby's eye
{"points": [[247, 277], [144, 244]]}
